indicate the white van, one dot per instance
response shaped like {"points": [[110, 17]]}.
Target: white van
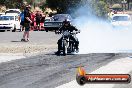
{"points": [[9, 22], [121, 20]]}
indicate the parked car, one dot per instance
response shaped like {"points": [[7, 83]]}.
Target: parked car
{"points": [[56, 21], [48, 19], [9, 22], [13, 11], [121, 21], [2, 14]]}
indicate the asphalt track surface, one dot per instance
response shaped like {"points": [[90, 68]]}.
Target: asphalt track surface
{"points": [[49, 70], [46, 70]]}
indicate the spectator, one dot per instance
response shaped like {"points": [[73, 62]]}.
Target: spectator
{"points": [[43, 17], [38, 20], [27, 22], [42, 20], [22, 20], [110, 14], [32, 18]]}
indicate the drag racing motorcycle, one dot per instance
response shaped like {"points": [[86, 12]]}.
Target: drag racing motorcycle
{"points": [[68, 45]]}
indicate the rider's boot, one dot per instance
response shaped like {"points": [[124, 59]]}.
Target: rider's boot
{"points": [[77, 49], [59, 48], [58, 52]]}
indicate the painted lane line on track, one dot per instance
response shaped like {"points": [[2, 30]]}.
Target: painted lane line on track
{"points": [[120, 66]]}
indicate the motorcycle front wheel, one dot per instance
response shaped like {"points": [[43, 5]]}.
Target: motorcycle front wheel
{"points": [[64, 47]]}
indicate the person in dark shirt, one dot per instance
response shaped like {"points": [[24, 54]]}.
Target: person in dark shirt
{"points": [[27, 22], [67, 26], [38, 20]]}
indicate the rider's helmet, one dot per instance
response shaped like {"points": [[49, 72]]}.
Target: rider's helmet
{"points": [[66, 22]]}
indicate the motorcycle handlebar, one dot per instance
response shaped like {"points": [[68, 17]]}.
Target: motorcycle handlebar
{"points": [[76, 32]]}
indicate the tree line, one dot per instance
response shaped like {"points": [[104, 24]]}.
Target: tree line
{"points": [[100, 7]]}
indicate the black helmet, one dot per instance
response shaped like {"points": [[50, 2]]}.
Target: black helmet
{"points": [[66, 22]]}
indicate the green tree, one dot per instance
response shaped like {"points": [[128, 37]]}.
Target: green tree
{"points": [[99, 7], [63, 5], [11, 3]]}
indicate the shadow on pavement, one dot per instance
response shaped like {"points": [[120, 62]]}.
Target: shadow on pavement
{"points": [[60, 54], [18, 41]]}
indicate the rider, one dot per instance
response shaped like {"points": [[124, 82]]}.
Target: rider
{"points": [[67, 26]]}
